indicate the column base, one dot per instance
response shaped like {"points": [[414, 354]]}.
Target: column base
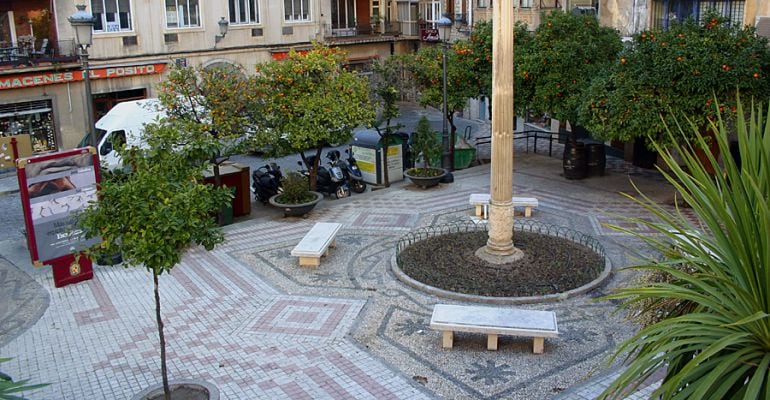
{"points": [[497, 257]]}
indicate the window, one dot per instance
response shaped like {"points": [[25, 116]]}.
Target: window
{"points": [[432, 11], [666, 12], [525, 3], [34, 118], [296, 10], [482, 3], [244, 12], [182, 14], [111, 15]]}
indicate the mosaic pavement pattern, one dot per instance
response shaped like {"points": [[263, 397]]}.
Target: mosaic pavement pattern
{"points": [[247, 318]]}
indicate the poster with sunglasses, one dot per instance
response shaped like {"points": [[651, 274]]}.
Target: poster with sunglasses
{"points": [[53, 188]]}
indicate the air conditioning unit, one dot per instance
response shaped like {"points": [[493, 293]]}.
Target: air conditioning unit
{"points": [[763, 26]]}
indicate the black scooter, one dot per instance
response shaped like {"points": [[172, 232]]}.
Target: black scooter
{"points": [[330, 180], [352, 173], [266, 182]]}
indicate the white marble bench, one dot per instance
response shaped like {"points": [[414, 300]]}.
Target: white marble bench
{"points": [[494, 321], [316, 243], [481, 202]]}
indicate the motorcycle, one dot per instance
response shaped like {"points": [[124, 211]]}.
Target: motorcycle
{"points": [[330, 180], [352, 173], [266, 182]]}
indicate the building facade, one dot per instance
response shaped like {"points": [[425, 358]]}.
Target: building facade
{"points": [[632, 16], [135, 42]]}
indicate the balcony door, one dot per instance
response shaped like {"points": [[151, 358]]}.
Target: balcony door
{"points": [[343, 16]]}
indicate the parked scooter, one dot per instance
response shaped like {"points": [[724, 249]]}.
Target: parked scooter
{"points": [[352, 173], [330, 180], [266, 182]]}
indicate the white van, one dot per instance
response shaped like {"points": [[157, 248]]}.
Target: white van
{"points": [[124, 123]]}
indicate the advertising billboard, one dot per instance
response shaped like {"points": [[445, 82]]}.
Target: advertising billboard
{"points": [[53, 188]]}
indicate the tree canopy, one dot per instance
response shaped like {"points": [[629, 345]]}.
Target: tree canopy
{"points": [[462, 82], [308, 101], [157, 210], [665, 75], [565, 53], [209, 108]]}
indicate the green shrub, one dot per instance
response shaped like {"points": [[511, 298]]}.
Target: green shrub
{"points": [[718, 346], [425, 144], [295, 189]]}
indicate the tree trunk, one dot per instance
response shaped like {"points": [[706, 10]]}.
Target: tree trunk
{"points": [[452, 131], [313, 169], [385, 139], [163, 370], [218, 183]]}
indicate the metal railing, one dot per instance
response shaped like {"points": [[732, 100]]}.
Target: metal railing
{"points": [[519, 225], [32, 52]]}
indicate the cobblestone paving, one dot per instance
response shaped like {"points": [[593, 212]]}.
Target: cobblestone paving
{"points": [[247, 318]]}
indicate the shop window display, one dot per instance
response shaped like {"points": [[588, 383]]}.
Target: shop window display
{"points": [[33, 118]]}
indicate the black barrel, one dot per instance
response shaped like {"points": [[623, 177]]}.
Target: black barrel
{"points": [[574, 161], [597, 159]]}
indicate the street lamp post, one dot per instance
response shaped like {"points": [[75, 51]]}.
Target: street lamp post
{"points": [[447, 160], [83, 22]]}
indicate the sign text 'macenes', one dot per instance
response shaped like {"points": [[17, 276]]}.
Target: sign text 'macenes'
{"points": [[51, 78]]}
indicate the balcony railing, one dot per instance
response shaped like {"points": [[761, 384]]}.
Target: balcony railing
{"points": [[30, 52], [386, 28]]}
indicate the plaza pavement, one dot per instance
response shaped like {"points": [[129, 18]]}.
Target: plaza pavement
{"points": [[247, 318]]}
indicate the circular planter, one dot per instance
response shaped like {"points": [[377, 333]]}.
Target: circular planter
{"points": [[425, 181], [182, 389], [296, 210]]}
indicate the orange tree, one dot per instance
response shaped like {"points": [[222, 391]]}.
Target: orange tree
{"points": [[463, 82], [478, 58], [207, 108], [679, 72], [307, 101], [565, 53], [387, 83]]}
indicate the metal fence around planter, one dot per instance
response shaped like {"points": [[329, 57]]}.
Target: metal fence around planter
{"points": [[572, 235]]}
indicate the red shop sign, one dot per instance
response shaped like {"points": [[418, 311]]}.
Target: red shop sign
{"points": [[52, 78]]}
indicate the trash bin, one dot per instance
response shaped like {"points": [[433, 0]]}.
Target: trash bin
{"points": [[464, 154], [236, 176], [372, 155]]}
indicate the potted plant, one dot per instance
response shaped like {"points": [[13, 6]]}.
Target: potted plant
{"points": [[425, 147], [296, 199], [376, 22]]}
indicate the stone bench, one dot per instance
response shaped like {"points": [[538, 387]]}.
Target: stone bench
{"points": [[494, 321], [481, 202], [316, 243]]}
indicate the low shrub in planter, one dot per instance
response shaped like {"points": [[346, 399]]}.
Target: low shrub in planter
{"points": [[425, 147], [295, 189]]}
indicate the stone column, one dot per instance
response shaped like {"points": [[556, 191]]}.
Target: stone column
{"points": [[499, 248]]}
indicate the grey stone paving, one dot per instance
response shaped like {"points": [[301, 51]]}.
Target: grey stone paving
{"points": [[23, 301], [247, 318]]}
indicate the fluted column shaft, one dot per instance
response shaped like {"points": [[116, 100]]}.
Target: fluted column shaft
{"points": [[500, 240]]}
